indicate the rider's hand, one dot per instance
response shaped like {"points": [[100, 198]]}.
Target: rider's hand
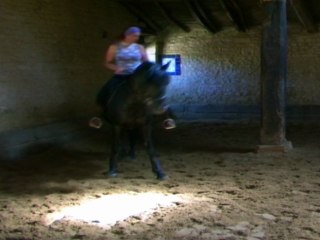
{"points": [[119, 70]]}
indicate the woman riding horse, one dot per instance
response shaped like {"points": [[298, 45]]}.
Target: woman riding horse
{"points": [[132, 95], [123, 58], [132, 106]]}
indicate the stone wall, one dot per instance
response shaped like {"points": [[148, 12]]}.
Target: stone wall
{"points": [[221, 73], [52, 54], [51, 66], [303, 65]]}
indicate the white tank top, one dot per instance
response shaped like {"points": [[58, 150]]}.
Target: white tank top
{"points": [[128, 57]]}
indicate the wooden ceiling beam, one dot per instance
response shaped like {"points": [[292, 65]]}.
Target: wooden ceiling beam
{"points": [[235, 13], [304, 15], [151, 0], [199, 12], [138, 13], [169, 17]]}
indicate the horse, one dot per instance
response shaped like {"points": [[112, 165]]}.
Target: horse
{"points": [[132, 106]]}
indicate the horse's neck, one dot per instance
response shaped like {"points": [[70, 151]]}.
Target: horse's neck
{"points": [[137, 84]]}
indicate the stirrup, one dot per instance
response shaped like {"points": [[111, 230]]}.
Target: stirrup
{"points": [[95, 122], [169, 123]]}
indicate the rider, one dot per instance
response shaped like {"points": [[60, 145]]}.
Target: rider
{"points": [[123, 58]]}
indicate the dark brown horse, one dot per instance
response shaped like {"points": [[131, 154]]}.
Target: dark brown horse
{"points": [[132, 106]]}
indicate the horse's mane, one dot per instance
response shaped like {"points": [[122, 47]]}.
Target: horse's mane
{"points": [[145, 66], [152, 72]]}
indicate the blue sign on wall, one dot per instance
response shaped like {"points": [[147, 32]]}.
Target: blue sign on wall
{"points": [[174, 61]]}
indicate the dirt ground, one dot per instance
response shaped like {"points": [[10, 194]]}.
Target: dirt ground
{"points": [[219, 188]]}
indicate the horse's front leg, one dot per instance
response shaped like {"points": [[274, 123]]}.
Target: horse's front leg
{"points": [[115, 151], [155, 162], [132, 135]]}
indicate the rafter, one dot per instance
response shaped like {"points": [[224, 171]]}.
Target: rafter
{"points": [[138, 13], [235, 13], [150, 0], [199, 12], [170, 18], [304, 15]]}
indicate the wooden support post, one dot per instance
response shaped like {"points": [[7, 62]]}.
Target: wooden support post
{"points": [[274, 51], [159, 48]]}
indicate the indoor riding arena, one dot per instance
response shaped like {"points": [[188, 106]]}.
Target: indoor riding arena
{"points": [[243, 161]]}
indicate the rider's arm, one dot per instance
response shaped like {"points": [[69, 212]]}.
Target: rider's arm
{"points": [[110, 59], [144, 54]]}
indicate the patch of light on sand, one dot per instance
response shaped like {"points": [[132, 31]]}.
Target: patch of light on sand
{"points": [[107, 210]]}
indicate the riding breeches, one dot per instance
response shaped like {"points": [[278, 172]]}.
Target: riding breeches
{"points": [[108, 88]]}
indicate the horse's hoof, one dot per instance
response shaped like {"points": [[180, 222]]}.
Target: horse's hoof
{"points": [[163, 177], [112, 174]]}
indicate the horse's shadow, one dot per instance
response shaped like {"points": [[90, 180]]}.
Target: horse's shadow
{"points": [[209, 137], [53, 170]]}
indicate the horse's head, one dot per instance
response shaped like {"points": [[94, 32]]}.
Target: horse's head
{"points": [[150, 81]]}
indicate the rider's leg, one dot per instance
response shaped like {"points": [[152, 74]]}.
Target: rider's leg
{"points": [[102, 98]]}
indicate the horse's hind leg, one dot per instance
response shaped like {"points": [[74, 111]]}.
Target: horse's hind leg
{"points": [[155, 162], [115, 151]]}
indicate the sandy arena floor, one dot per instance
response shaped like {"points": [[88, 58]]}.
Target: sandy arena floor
{"points": [[218, 189]]}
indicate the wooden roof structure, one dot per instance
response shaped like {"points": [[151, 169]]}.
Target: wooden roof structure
{"points": [[215, 15]]}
